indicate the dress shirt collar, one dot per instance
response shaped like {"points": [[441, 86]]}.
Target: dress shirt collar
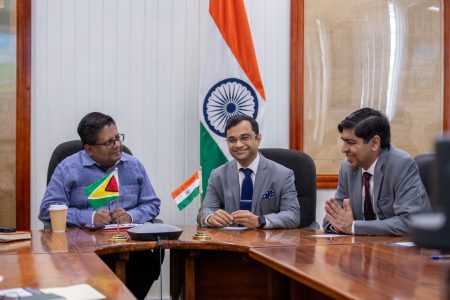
{"points": [[371, 169], [87, 161], [253, 166]]}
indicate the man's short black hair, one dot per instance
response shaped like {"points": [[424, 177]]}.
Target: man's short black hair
{"points": [[234, 120], [368, 122], [91, 124]]}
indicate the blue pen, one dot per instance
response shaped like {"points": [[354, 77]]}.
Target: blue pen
{"points": [[436, 257]]}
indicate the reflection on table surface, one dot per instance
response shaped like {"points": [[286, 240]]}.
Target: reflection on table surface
{"points": [[78, 241], [58, 270], [343, 266], [376, 269], [243, 240]]}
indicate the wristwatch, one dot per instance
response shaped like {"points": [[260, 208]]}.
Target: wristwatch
{"points": [[261, 221]]}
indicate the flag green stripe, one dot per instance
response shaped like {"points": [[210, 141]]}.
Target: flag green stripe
{"points": [[90, 188], [211, 156], [96, 203], [188, 199]]}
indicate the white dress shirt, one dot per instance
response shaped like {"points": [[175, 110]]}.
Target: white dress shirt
{"points": [[371, 171]]}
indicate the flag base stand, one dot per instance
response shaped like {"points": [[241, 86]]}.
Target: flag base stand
{"points": [[118, 238], [202, 236]]}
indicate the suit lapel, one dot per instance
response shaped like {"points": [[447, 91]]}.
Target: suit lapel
{"points": [[378, 179], [260, 179], [234, 182], [356, 197]]}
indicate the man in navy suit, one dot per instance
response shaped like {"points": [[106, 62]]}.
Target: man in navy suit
{"points": [[251, 190], [379, 185]]}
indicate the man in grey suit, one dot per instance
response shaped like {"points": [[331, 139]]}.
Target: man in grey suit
{"points": [[250, 191], [379, 185]]}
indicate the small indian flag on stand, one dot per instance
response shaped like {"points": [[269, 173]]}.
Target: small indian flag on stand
{"points": [[186, 192], [103, 191]]}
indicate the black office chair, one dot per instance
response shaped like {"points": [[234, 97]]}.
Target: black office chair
{"points": [[71, 147], [62, 151], [305, 180], [425, 163], [66, 149]]}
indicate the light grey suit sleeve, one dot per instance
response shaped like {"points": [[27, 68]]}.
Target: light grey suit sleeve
{"points": [[212, 202], [274, 194], [339, 196], [398, 190], [288, 215], [395, 209]]}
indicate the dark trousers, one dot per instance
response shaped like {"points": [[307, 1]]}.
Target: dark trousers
{"points": [[142, 269]]}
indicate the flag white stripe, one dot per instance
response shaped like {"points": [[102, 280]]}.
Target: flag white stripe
{"points": [[225, 65], [185, 193]]}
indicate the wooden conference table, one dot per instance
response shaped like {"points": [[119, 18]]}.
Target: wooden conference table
{"points": [[247, 264], [293, 264]]}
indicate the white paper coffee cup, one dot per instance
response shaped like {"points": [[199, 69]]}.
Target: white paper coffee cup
{"points": [[58, 217]]}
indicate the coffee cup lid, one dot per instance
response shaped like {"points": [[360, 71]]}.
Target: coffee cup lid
{"points": [[58, 207]]}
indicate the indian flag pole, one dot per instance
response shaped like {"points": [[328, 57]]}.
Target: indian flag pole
{"points": [[230, 83], [201, 234], [186, 193]]}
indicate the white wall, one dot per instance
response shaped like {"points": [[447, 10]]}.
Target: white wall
{"points": [[138, 60]]}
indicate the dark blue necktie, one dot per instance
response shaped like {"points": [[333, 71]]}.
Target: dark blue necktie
{"points": [[246, 190]]}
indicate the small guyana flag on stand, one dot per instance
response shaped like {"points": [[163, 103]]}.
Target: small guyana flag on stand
{"points": [[103, 191], [186, 192]]}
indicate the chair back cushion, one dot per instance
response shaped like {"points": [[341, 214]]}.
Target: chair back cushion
{"points": [[305, 179], [425, 163]]}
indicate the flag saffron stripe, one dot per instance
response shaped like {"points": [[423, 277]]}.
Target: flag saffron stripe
{"points": [[187, 191], [231, 20], [185, 185]]}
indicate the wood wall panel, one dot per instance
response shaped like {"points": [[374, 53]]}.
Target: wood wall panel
{"points": [[446, 110], [23, 114], [329, 181], [296, 79]]}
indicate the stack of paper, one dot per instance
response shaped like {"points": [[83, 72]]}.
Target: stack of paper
{"points": [[14, 236], [73, 292], [76, 292]]}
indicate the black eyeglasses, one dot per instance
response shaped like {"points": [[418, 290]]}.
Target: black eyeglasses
{"points": [[243, 138], [112, 142]]}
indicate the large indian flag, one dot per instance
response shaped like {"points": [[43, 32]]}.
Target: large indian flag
{"points": [[230, 82]]}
